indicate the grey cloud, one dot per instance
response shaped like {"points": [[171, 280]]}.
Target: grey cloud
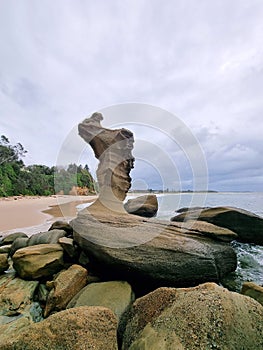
{"points": [[63, 60]]}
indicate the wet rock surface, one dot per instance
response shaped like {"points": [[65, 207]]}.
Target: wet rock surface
{"points": [[17, 306]]}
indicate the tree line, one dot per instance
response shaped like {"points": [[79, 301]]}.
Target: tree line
{"points": [[18, 179]]}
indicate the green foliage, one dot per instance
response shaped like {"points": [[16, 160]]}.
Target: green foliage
{"points": [[17, 179], [73, 176]]}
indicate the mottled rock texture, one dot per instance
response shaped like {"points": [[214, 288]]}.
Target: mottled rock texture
{"points": [[89, 328], [204, 317]]}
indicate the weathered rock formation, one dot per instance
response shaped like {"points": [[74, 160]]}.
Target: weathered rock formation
{"points": [[248, 226], [113, 150], [146, 206], [204, 317], [126, 247]]}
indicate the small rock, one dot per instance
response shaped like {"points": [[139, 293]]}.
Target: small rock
{"points": [[62, 225], [38, 261], [83, 259], [66, 285], [253, 290], [42, 293], [115, 295], [12, 237], [16, 300], [3, 263], [146, 206], [48, 237], [68, 246], [5, 249]]}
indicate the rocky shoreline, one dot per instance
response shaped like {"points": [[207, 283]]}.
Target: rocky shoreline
{"points": [[113, 279], [57, 284]]}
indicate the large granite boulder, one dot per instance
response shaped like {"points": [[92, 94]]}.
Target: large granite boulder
{"points": [[150, 253], [253, 290], [49, 237], [248, 226], [38, 261], [65, 286], [146, 206], [115, 295], [90, 328], [204, 317]]}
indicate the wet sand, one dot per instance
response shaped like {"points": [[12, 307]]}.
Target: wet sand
{"points": [[21, 212]]}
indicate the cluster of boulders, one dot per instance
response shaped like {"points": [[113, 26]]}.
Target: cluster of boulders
{"points": [[56, 294]]}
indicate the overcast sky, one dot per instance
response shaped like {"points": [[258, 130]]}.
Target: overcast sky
{"points": [[201, 61]]}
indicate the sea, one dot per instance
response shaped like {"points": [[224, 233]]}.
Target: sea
{"points": [[250, 256]]}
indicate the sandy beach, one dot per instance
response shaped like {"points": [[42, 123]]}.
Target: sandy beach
{"points": [[23, 212]]}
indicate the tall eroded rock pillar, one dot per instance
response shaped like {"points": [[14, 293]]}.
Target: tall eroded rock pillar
{"points": [[113, 150]]}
